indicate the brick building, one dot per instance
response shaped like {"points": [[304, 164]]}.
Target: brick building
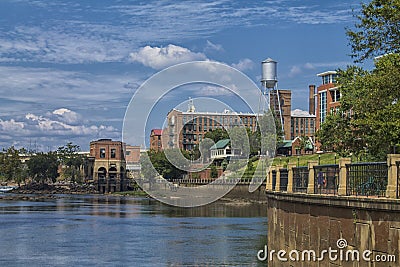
{"points": [[109, 165], [132, 157], [155, 140], [302, 124], [285, 99], [187, 129], [328, 96]]}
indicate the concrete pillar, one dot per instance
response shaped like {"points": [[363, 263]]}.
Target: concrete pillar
{"points": [[392, 175], [290, 177], [343, 176], [269, 179], [310, 188], [278, 178]]}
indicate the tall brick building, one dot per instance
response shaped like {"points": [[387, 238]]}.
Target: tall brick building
{"points": [[328, 96], [285, 99]]}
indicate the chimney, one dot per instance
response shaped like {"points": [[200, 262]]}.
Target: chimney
{"points": [[311, 100]]}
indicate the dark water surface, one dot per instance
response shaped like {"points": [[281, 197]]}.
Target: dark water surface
{"points": [[122, 231]]}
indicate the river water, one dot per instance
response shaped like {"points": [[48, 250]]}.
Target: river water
{"points": [[127, 231]]}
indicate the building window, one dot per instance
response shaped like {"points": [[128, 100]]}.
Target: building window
{"points": [[322, 106], [337, 96], [102, 153], [113, 153]]}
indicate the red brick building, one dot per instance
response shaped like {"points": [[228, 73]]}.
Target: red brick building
{"points": [[328, 97], [155, 140]]}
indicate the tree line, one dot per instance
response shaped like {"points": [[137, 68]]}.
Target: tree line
{"points": [[367, 123], [41, 167]]}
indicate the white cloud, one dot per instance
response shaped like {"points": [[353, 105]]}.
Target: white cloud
{"points": [[298, 69], [213, 47], [295, 70], [67, 116], [244, 64], [161, 57], [11, 125], [52, 131], [63, 38]]}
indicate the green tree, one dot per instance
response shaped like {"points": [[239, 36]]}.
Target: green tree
{"points": [[71, 161], [377, 31], [162, 165], [369, 116], [11, 167], [217, 134], [214, 171], [43, 167]]}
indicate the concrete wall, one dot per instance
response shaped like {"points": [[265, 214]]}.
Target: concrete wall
{"points": [[305, 222], [241, 192]]}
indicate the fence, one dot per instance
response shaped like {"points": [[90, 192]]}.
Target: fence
{"points": [[367, 179], [300, 179], [398, 179], [224, 181], [273, 179], [283, 180], [326, 179]]}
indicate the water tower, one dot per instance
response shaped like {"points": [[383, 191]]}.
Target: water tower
{"points": [[269, 80]]}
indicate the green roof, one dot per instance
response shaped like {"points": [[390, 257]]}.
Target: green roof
{"points": [[285, 144], [309, 145], [221, 144]]}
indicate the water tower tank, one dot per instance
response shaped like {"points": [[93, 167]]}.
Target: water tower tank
{"points": [[269, 74]]}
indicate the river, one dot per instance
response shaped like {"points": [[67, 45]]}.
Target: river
{"points": [[78, 230]]}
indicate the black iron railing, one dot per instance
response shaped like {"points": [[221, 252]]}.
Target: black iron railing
{"points": [[273, 179], [283, 181], [326, 179], [398, 179], [300, 179], [367, 179]]}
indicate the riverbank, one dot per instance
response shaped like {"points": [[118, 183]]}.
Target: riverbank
{"points": [[35, 188], [239, 195]]}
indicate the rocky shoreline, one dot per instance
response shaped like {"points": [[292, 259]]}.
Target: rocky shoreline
{"points": [[36, 191]]}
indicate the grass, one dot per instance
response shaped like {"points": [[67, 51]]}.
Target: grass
{"points": [[323, 158]]}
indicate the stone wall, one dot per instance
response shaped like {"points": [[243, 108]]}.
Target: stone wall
{"points": [[315, 222], [241, 192]]}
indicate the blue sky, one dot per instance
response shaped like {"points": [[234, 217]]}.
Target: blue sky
{"points": [[68, 69]]}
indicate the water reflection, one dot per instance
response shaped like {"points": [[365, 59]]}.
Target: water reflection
{"points": [[126, 231]]}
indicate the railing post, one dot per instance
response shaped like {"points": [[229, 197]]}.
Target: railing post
{"points": [[342, 190], [391, 189], [269, 179], [290, 177], [311, 188], [278, 178]]}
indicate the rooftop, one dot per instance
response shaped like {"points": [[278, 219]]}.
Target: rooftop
{"points": [[221, 144], [326, 73], [301, 113], [156, 131]]}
